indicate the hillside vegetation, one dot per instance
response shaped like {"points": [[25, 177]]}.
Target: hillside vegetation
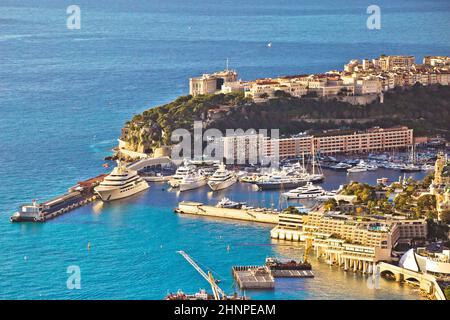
{"points": [[425, 109]]}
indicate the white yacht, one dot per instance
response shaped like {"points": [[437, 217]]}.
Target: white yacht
{"points": [[362, 166], [227, 203], [120, 183], [305, 192], [341, 166], [181, 172], [192, 181], [222, 178]]}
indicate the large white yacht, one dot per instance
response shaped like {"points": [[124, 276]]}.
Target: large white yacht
{"points": [[120, 183], [222, 178], [181, 172], [192, 181], [305, 192]]}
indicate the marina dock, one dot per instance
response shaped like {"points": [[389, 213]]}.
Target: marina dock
{"points": [[77, 196], [263, 277], [253, 214], [253, 277]]}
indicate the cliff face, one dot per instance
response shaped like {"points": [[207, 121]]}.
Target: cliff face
{"points": [[425, 109]]}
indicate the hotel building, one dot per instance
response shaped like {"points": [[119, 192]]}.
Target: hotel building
{"points": [[348, 241]]}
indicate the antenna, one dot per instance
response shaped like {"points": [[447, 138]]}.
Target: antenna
{"points": [[227, 64]]}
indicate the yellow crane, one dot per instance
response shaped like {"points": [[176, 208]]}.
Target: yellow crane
{"points": [[217, 292]]}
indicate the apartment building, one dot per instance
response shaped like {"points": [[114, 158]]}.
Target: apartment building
{"points": [[389, 63], [375, 139]]}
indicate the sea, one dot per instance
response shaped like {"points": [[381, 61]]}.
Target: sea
{"points": [[66, 93]]}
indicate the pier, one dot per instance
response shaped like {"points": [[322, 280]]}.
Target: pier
{"points": [[77, 196], [253, 277], [262, 277], [253, 215]]}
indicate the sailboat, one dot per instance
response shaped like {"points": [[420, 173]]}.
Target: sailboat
{"points": [[411, 166]]}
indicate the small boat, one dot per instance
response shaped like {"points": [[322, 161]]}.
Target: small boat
{"points": [[180, 295], [357, 169], [227, 203]]}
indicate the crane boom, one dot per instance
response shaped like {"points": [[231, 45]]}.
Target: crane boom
{"points": [[208, 277]]}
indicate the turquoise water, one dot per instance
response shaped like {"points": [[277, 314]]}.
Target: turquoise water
{"points": [[64, 96]]}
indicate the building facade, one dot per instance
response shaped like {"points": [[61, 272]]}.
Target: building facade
{"points": [[211, 83], [348, 241]]}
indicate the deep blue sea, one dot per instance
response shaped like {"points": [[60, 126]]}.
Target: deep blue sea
{"points": [[65, 94]]}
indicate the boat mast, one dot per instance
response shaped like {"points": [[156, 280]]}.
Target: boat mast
{"points": [[313, 160]]}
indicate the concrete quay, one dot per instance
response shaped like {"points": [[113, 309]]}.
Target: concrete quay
{"points": [[253, 215]]}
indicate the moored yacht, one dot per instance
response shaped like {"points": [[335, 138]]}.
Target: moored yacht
{"points": [[181, 172], [120, 183], [411, 167], [305, 192], [192, 181], [341, 166], [227, 203], [222, 178], [362, 166]]}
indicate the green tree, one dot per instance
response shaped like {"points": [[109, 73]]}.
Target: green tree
{"points": [[331, 205]]}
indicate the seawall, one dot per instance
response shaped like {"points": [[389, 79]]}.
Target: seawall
{"points": [[253, 215]]}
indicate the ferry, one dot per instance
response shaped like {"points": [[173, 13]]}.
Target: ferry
{"points": [[120, 183], [222, 179]]}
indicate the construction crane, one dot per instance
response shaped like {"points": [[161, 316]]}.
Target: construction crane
{"points": [[217, 292]]}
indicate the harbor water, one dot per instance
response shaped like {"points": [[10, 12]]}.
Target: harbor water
{"points": [[65, 94]]}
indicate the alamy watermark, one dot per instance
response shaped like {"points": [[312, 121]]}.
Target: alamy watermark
{"points": [[235, 147], [374, 20], [74, 279], [73, 21]]}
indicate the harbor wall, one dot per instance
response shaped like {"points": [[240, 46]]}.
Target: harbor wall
{"points": [[254, 215]]}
